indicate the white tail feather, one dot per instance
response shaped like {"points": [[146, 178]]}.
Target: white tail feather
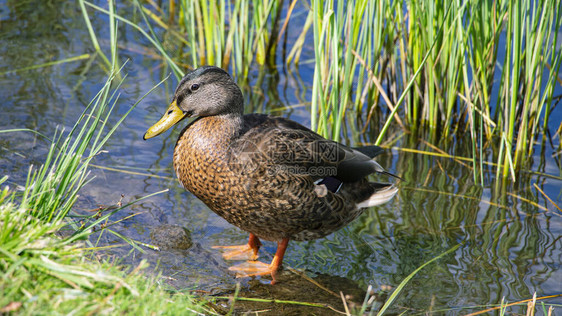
{"points": [[379, 197]]}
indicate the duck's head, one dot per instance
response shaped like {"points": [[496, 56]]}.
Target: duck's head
{"points": [[206, 91]]}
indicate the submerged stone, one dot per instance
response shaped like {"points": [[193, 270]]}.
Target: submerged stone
{"points": [[168, 237]]}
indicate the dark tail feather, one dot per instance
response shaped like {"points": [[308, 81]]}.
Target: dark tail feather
{"points": [[391, 174], [373, 151], [370, 151]]}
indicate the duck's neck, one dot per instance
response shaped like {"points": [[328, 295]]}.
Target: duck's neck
{"points": [[225, 125], [212, 133]]}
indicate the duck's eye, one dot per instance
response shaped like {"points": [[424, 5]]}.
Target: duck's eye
{"points": [[194, 86]]}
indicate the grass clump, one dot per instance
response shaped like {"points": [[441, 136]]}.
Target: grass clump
{"points": [[43, 274]]}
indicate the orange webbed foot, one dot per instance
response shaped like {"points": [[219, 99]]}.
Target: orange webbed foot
{"points": [[248, 251], [241, 252], [254, 268]]}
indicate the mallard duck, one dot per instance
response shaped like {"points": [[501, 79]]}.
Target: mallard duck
{"points": [[267, 175]]}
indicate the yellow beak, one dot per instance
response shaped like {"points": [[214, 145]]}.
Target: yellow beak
{"points": [[173, 115]]}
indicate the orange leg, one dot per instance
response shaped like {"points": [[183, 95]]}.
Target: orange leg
{"points": [[242, 252], [251, 268]]}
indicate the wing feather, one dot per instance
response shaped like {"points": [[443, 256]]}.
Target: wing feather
{"points": [[282, 142]]}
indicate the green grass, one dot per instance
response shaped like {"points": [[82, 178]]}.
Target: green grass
{"points": [[43, 274]]}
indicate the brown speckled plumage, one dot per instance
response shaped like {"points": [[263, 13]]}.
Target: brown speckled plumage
{"points": [[281, 205], [267, 175]]}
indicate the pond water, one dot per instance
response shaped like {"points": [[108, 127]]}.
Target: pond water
{"points": [[512, 235]]}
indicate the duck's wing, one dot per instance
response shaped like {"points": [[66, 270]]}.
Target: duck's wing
{"points": [[280, 142]]}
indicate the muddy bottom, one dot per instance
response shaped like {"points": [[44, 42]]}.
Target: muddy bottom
{"points": [[291, 295]]}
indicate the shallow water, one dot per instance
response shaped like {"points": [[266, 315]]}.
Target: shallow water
{"points": [[511, 249]]}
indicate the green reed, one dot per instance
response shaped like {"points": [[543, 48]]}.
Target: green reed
{"points": [[367, 51], [344, 43], [531, 36], [228, 34], [232, 35]]}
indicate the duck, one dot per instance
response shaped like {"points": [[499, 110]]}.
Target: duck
{"points": [[267, 175]]}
